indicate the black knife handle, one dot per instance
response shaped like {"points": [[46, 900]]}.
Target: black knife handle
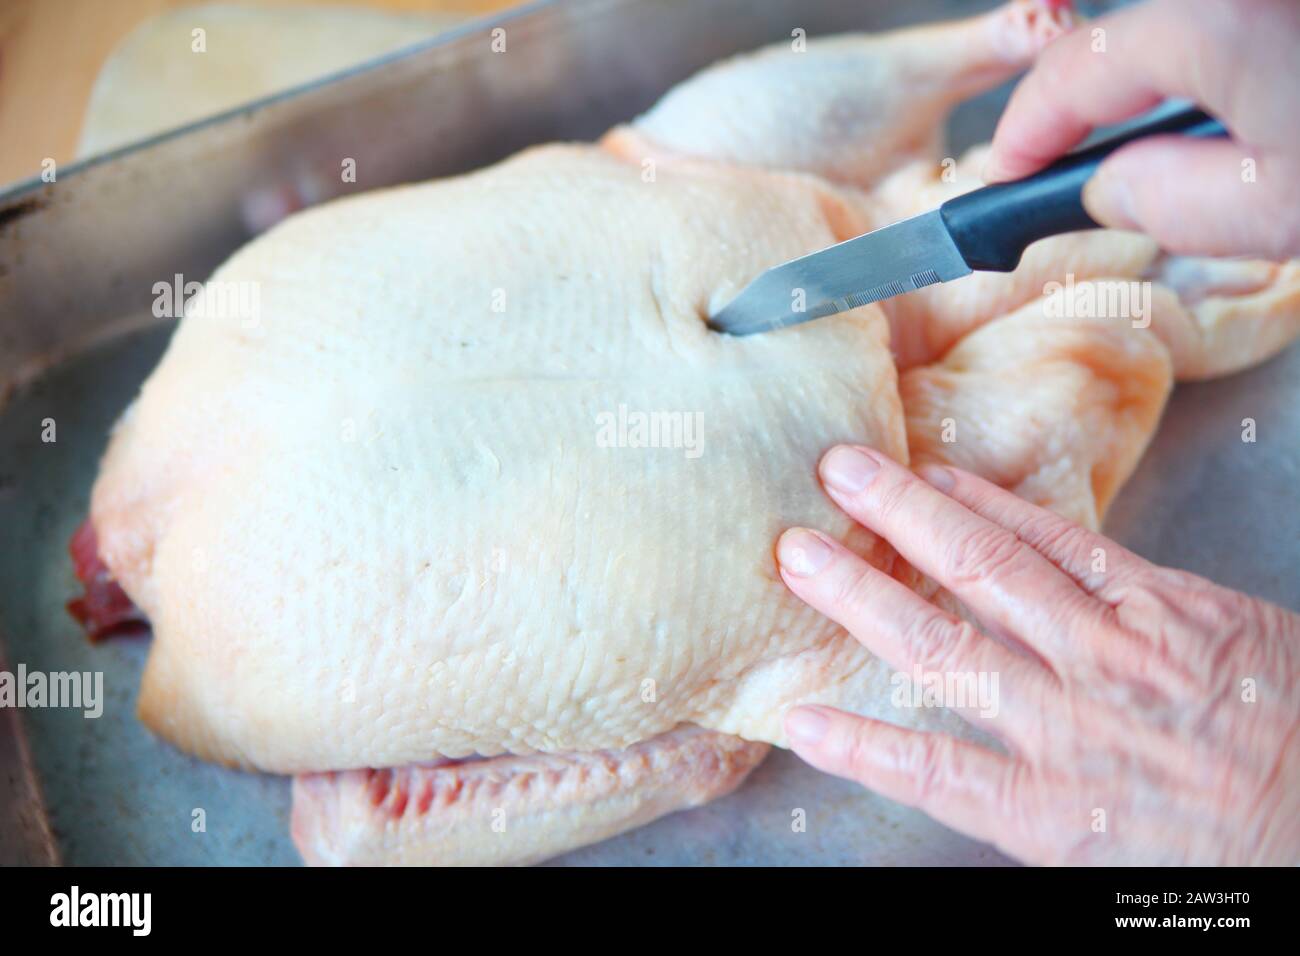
{"points": [[992, 226]]}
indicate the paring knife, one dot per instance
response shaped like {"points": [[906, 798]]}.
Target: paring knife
{"points": [[987, 229]]}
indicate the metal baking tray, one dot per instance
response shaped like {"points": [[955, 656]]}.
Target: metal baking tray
{"points": [[77, 263]]}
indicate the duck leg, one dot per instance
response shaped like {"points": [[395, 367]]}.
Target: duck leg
{"points": [[849, 108]]}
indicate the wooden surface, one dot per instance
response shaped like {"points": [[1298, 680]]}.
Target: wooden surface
{"points": [[51, 52]]}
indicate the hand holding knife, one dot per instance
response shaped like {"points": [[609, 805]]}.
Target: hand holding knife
{"points": [[986, 230]]}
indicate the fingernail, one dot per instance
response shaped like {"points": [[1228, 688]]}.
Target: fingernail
{"points": [[806, 725], [802, 553], [1109, 200], [938, 477], [991, 171], [848, 469]]}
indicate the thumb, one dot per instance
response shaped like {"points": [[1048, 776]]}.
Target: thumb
{"points": [[1199, 197]]}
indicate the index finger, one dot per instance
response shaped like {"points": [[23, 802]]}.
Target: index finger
{"points": [[1001, 578]]}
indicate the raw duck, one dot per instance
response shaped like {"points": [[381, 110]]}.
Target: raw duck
{"points": [[383, 546]]}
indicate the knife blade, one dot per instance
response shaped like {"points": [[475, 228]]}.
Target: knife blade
{"points": [[986, 230]]}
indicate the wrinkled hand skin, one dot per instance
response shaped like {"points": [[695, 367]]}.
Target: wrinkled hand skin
{"points": [[1236, 58], [1158, 698]]}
